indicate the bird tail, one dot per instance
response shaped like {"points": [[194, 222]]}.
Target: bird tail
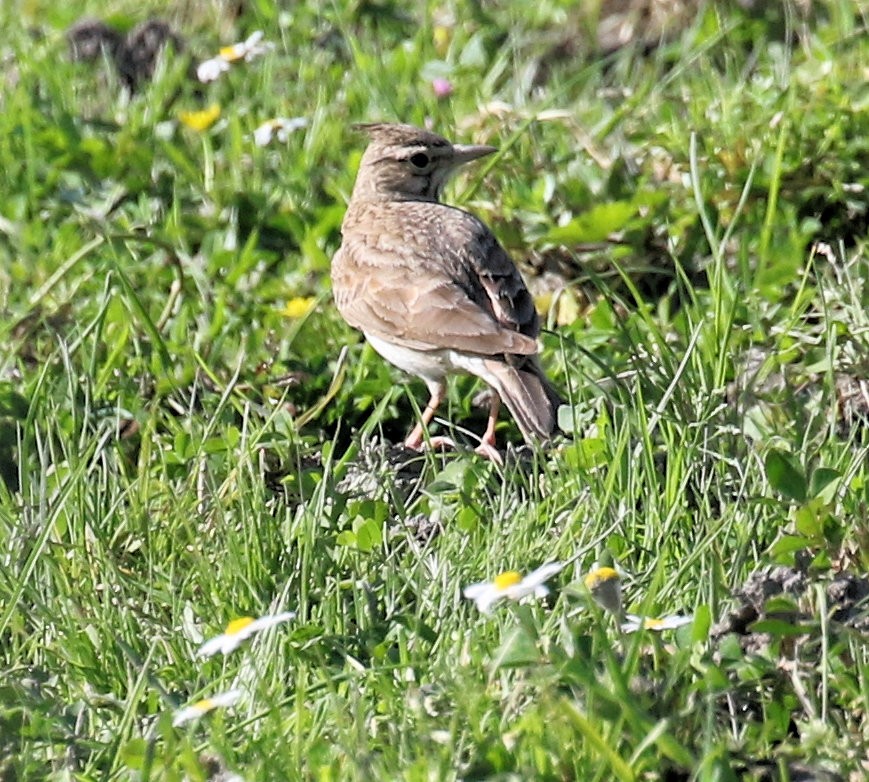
{"points": [[529, 397]]}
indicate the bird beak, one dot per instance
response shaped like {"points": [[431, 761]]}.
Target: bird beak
{"points": [[465, 153]]}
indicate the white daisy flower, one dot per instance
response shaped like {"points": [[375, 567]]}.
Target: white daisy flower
{"points": [[605, 586], [511, 585], [635, 623], [196, 710], [280, 128], [248, 49], [240, 629], [210, 70]]}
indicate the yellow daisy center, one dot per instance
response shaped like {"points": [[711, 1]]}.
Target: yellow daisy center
{"points": [[231, 53], [650, 623], [506, 580], [206, 704], [237, 625], [600, 576]]}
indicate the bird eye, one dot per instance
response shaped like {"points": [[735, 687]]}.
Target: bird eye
{"points": [[419, 160]]}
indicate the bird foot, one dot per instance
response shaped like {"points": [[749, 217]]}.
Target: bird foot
{"points": [[433, 443], [490, 452], [486, 448]]}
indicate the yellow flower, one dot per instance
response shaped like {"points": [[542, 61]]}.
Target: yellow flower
{"points": [[240, 629], [200, 120], [196, 710], [298, 307], [511, 585], [441, 37]]}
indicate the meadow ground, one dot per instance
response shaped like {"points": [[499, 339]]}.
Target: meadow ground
{"points": [[189, 434]]}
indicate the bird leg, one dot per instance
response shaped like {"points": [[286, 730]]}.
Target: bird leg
{"points": [[416, 439], [487, 448]]}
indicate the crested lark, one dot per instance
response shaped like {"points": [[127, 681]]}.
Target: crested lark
{"points": [[430, 287]]}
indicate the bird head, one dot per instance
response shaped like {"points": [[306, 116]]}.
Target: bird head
{"points": [[406, 163]]}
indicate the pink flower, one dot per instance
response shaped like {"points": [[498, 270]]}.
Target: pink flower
{"points": [[442, 87]]}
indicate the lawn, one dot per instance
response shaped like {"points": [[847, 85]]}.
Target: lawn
{"points": [[190, 434]]}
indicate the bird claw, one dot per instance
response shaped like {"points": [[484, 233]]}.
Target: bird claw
{"points": [[484, 449], [433, 443], [442, 442], [490, 452]]}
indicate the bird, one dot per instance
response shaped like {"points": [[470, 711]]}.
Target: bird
{"points": [[432, 289], [135, 55]]}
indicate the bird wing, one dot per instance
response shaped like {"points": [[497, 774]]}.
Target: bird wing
{"points": [[442, 281]]}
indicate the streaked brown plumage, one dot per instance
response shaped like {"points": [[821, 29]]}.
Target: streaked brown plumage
{"points": [[430, 286]]}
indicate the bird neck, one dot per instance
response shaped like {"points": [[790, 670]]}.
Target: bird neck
{"points": [[382, 188]]}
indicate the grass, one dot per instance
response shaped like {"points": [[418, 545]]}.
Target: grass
{"points": [[183, 442]]}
